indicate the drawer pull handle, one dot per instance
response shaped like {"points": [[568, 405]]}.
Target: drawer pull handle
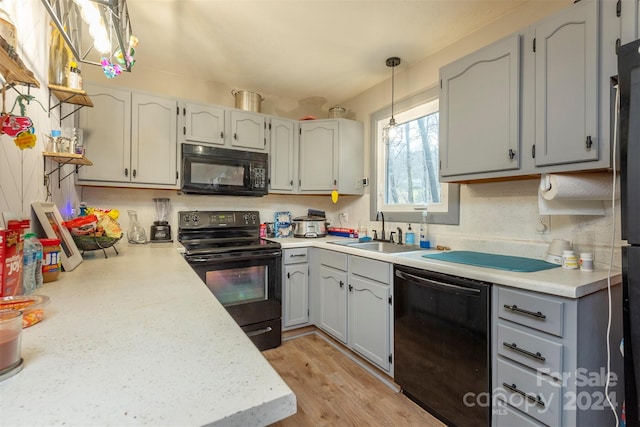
{"points": [[297, 255], [537, 315], [514, 347], [534, 399]]}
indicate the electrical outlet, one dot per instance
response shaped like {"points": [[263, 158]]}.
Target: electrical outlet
{"points": [[344, 216], [543, 224]]}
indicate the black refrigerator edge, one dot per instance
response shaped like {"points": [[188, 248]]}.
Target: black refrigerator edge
{"points": [[629, 150]]}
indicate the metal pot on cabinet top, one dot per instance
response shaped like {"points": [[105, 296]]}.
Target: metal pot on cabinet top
{"points": [[246, 100]]}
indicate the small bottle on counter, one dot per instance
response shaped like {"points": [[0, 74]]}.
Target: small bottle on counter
{"points": [[410, 237], [569, 260], [586, 261], [425, 243]]}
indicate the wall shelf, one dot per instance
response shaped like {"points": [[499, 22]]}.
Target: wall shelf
{"points": [[64, 159], [13, 69], [68, 96]]}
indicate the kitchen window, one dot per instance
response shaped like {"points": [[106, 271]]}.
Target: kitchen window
{"points": [[405, 175]]}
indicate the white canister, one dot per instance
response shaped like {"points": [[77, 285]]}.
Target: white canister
{"points": [[586, 261], [569, 260]]}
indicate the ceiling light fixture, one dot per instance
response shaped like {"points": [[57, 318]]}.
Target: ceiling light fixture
{"points": [[392, 133]]}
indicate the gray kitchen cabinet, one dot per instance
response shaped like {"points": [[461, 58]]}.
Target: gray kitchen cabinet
{"points": [[133, 138], [562, 121], [106, 135], [566, 88], [247, 130], [202, 124], [331, 156], [351, 299], [295, 298], [283, 159], [332, 287], [369, 310], [549, 358], [480, 110]]}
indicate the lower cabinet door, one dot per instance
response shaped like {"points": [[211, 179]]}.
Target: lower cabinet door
{"points": [[296, 294], [333, 302], [369, 311]]}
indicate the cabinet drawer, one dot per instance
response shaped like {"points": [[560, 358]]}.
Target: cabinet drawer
{"points": [[530, 350], [533, 394], [537, 312], [506, 416], [295, 256], [376, 270], [333, 259]]}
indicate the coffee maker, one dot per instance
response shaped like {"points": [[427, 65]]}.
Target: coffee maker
{"points": [[161, 230]]}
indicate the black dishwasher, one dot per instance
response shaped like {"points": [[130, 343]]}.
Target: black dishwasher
{"points": [[442, 339]]}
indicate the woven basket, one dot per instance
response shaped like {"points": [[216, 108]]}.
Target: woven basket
{"points": [[92, 243]]}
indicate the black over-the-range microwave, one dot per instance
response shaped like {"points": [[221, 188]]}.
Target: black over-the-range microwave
{"points": [[212, 170]]}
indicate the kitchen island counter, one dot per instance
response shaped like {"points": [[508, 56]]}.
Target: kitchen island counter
{"points": [[138, 339]]}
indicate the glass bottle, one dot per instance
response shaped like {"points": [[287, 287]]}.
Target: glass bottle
{"points": [[136, 233]]}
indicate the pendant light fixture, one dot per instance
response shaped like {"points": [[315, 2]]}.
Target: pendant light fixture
{"points": [[392, 133]]}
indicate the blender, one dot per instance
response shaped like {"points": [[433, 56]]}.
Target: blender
{"points": [[160, 230]]}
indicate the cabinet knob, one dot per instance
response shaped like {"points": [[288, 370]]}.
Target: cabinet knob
{"points": [[291, 183], [221, 135], [134, 173], [288, 275], [126, 172], [588, 143], [350, 288], [235, 136], [512, 154], [341, 284]]}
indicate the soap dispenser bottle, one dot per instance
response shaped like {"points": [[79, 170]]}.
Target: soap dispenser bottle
{"points": [[410, 237]]}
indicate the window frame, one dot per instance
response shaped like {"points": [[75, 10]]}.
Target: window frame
{"points": [[452, 215]]}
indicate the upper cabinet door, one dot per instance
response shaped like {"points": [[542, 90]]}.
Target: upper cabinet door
{"points": [[107, 135], [318, 168], [480, 110], [203, 124], [154, 140], [282, 155], [566, 50], [248, 130]]}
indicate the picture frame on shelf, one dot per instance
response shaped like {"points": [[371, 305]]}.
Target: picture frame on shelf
{"points": [[50, 222]]}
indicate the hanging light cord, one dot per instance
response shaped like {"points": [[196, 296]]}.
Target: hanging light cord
{"points": [[393, 80]]}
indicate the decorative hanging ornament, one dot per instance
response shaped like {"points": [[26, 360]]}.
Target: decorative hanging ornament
{"points": [[18, 127], [110, 69]]}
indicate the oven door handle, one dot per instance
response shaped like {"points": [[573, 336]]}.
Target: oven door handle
{"points": [[259, 331], [447, 287], [201, 259]]}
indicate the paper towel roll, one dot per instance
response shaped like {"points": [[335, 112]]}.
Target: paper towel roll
{"points": [[586, 186]]}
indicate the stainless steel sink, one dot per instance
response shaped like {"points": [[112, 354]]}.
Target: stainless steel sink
{"points": [[384, 247]]}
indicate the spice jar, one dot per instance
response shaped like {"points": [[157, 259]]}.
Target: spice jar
{"points": [[51, 261], [586, 261]]}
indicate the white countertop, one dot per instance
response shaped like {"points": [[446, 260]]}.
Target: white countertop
{"points": [[555, 281], [138, 339]]}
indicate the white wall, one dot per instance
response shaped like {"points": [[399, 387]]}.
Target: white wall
{"points": [[21, 171]]}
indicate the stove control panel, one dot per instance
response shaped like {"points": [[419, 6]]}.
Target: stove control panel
{"points": [[218, 219]]}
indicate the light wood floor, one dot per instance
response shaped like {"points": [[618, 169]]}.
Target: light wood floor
{"points": [[333, 390]]}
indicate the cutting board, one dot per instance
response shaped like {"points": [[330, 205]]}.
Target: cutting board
{"points": [[499, 262]]}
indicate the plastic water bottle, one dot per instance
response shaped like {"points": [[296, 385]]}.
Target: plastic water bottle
{"points": [[28, 265], [38, 249], [424, 232]]}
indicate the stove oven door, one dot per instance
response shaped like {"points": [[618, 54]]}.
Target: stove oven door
{"points": [[249, 285]]}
